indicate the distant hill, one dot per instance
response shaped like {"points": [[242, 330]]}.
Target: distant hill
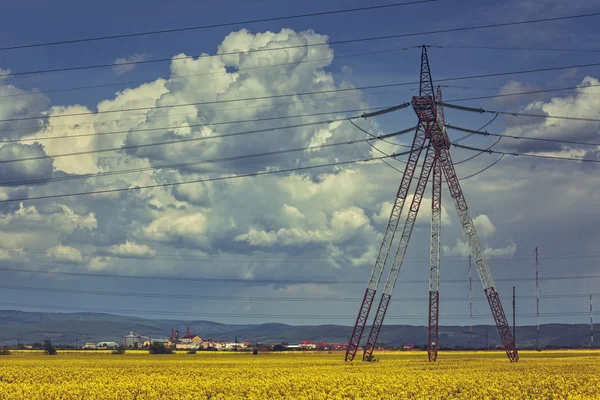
{"points": [[65, 328]]}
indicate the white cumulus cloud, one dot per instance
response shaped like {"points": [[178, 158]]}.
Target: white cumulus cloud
{"points": [[126, 64], [65, 254], [131, 249]]}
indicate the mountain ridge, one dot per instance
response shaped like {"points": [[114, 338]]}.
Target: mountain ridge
{"points": [[69, 328]]}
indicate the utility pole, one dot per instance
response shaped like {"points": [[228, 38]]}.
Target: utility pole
{"points": [[537, 300], [514, 320], [591, 324], [470, 306]]}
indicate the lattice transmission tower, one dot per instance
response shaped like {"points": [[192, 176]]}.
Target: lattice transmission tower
{"points": [[432, 138]]}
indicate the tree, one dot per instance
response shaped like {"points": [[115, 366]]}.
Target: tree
{"points": [[49, 348], [120, 349], [159, 348], [279, 347]]}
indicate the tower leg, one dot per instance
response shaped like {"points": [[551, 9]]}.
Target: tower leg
{"points": [[390, 282], [480, 262], [434, 261], [434, 304]]}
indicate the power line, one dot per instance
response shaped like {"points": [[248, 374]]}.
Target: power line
{"points": [[196, 103], [524, 93], [460, 162], [153, 117], [336, 57], [265, 280], [219, 25], [217, 123], [559, 49], [263, 259], [482, 170], [260, 298], [198, 162], [250, 316], [528, 155], [222, 178], [515, 114], [456, 128], [201, 138], [103, 191], [346, 41], [468, 77]]}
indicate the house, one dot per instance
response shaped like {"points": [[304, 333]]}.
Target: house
{"points": [[194, 338], [187, 345], [89, 346], [322, 346], [220, 344], [308, 345], [165, 342], [339, 346], [408, 346], [107, 345], [132, 340]]}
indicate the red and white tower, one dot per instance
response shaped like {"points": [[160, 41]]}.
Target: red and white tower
{"points": [[432, 137]]}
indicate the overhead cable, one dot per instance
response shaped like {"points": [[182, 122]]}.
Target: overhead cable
{"points": [[485, 133], [515, 114], [252, 281], [260, 298], [528, 155], [219, 25], [368, 39], [456, 163], [244, 315], [196, 139], [468, 77], [524, 93], [176, 77], [221, 178], [184, 126], [266, 259], [194, 163], [478, 130], [558, 49], [147, 118]]}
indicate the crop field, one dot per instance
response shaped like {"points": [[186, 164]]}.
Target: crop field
{"points": [[402, 375]]}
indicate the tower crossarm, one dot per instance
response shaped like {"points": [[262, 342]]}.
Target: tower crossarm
{"points": [[400, 252], [386, 243]]}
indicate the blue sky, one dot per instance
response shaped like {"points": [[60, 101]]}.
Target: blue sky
{"points": [[316, 226]]}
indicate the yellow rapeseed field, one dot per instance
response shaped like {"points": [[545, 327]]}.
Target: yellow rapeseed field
{"points": [[137, 375]]}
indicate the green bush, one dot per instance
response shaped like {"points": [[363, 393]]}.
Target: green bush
{"points": [[191, 351], [4, 352], [49, 348], [159, 348], [119, 350]]}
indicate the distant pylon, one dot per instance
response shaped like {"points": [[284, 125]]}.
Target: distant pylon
{"points": [[470, 305], [537, 301], [514, 319], [591, 324]]}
